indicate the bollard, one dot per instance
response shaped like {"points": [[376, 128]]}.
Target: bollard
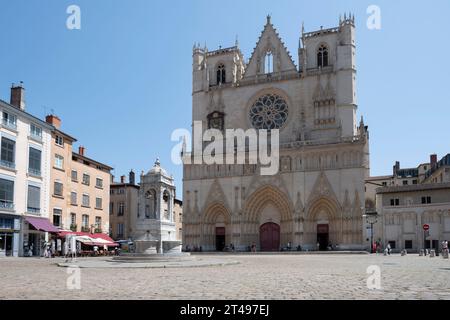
{"points": [[432, 253], [421, 253], [403, 253]]}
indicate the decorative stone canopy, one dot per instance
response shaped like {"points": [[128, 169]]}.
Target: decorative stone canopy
{"points": [[158, 170]]}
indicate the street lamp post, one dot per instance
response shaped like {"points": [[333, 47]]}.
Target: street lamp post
{"points": [[371, 218]]}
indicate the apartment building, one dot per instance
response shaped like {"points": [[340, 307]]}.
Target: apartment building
{"points": [[79, 186], [24, 178]]}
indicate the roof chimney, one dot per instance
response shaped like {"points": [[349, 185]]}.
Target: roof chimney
{"points": [[132, 177], [122, 179], [18, 96], [433, 160], [81, 150], [53, 120]]}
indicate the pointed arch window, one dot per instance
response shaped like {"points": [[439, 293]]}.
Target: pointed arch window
{"points": [[268, 62], [221, 77], [322, 56], [216, 120]]}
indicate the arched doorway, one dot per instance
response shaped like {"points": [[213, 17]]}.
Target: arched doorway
{"points": [[268, 219], [322, 236], [322, 225], [220, 238], [216, 230], [269, 235]]}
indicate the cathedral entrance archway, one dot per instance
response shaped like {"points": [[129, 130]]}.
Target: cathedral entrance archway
{"points": [[268, 219], [216, 227], [269, 235], [322, 225]]}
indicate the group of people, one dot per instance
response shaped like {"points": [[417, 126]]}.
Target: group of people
{"points": [[193, 249]]}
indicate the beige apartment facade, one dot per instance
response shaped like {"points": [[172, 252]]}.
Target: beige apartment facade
{"points": [[404, 210], [123, 207], [406, 200], [79, 186]]}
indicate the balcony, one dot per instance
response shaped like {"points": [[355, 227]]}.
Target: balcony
{"points": [[35, 211], [9, 124], [34, 172], [35, 137], [98, 230], [85, 229], [73, 227], [8, 164], [6, 204]]}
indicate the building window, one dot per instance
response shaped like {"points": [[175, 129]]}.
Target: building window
{"points": [[9, 120], [73, 198], [405, 182], [34, 199], [85, 223], [6, 194], [57, 217], [392, 243], [408, 244], [111, 191], [98, 203], [395, 202], [220, 74], [8, 153], [414, 181], [58, 189], [426, 200], [35, 132], [99, 183], [120, 230], [85, 200], [111, 208], [59, 140], [74, 176], [268, 62], [322, 56], [98, 224], [120, 191], [34, 162], [121, 209], [59, 161], [384, 183], [73, 222], [86, 179]]}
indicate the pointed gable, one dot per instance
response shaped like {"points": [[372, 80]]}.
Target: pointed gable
{"points": [[269, 41], [216, 194]]}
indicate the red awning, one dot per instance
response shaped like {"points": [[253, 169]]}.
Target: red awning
{"points": [[42, 224]]}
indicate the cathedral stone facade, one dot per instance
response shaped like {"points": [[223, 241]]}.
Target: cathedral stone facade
{"points": [[317, 196]]}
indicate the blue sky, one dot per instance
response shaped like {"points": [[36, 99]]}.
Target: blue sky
{"points": [[122, 83]]}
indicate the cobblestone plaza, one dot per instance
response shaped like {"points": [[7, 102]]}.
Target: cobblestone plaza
{"points": [[258, 276]]}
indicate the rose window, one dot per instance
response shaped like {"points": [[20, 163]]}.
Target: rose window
{"points": [[269, 112]]}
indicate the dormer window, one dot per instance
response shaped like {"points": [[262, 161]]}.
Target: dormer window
{"points": [[268, 62], [221, 74], [322, 56]]}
